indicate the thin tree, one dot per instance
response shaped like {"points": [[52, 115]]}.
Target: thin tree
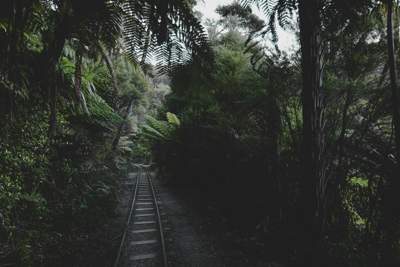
{"points": [[313, 178], [313, 137], [392, 187]]}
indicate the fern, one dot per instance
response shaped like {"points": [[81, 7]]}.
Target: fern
{"points": [[173, 119], [164, 29], [277, 11], [157, 130]]}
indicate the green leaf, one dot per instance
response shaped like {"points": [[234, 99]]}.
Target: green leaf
{"points": [[173, 119], [362, 182]]}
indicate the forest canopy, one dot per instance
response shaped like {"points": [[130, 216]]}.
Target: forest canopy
{"points": [[310, 140]]}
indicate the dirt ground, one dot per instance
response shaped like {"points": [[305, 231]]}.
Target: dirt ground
{"points": [[197, 238]]}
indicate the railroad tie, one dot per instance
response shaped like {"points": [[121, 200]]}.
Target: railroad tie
{"points": [[151, 230], [143, 257], [145, 215], [145, 222], [144, 242], [142, 209]]}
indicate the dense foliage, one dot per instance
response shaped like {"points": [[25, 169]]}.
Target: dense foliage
{"points": [[301, 149], [72, 96], [243, 140]]}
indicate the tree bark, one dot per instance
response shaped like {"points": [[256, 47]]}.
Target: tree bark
{"points": [[49, 58], [393, 77], [80, 97], [391, 208], [53, 112], [313, 181], [56, 42], [110, 68], [274, 122], [121, 126], [78, 74]]}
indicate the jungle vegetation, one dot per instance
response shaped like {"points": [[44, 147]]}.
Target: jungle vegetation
{"points": [[308, 138]]}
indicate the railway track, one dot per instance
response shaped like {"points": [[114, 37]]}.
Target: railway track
{"points": [[142, 243]]}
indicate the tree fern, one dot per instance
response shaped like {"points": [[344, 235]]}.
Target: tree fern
{"points": [[165, 29], [280, 12], [277, 11], [157, 130]]}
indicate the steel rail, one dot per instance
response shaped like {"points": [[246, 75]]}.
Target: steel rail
{"points": [[160, 227], [131, 209]]}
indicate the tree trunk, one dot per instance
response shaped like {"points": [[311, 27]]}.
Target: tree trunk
{"points": [[53, 111], [78, 74], [19, 14], [313, 181], [392, 187], [110, 68], [52, 52], [273, 154], [121, 126], [49, 59], [393, 77], [80, 97], [146, 47]]}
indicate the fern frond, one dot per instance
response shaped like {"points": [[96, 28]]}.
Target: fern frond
{"points": [[166, 30], [173, 119], [277, 11]]}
